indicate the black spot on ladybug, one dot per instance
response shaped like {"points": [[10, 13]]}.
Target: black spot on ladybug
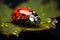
{"points": [[31, 11], [15, 14], [19, 10], [23, 14]]}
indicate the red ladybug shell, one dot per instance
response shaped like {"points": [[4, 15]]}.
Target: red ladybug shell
{"points": [[20, 13]]}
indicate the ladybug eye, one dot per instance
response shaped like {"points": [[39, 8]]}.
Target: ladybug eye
{"points": [[15, 14]]}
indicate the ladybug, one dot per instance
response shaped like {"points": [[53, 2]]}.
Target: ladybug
{"points": [[22, 14]]}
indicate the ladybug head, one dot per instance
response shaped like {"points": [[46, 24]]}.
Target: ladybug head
{"points": [[34, 18]]}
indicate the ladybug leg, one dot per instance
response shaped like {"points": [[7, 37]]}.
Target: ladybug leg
{"points": [[20, 23], [23, 23], [26, 22]]}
